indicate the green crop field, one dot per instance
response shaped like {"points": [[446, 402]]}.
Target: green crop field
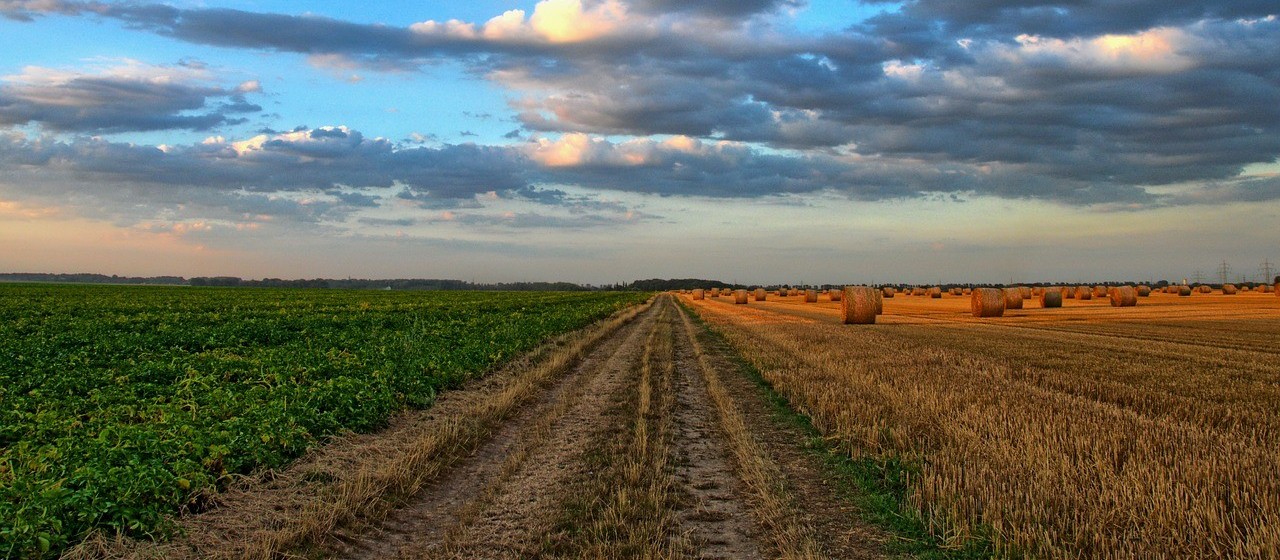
{"points": [[119, 406]]}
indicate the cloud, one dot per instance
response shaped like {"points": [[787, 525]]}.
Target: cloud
{"points": [[1068, 101], [1058, 18], [718, 8], [542, 220], [311, 175], [131, 96]]}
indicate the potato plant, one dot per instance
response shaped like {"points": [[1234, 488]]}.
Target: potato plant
{"points": [[120, 406]]}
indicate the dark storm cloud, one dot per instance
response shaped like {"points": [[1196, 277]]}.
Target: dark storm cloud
{"points": [[1056, 18], [106, 103]]}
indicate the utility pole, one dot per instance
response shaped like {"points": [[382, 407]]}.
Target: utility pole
{"points": [[1224, 272]]}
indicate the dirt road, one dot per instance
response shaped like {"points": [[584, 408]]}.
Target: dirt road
{"points": [[640, 438]]}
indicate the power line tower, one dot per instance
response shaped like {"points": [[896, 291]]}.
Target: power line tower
{"points": [[1267, 269], [1224, 272], [1198, 278]]}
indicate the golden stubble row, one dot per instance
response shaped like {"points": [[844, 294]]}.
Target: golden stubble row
{"points": [[1053, 472]]}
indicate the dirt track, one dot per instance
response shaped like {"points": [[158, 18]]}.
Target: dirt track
{"points": [[649, 444]]}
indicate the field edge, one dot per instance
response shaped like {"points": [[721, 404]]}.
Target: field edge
{"points": [[876, 485]]}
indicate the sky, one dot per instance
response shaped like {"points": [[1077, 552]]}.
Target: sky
{"points": [[600, 141]]}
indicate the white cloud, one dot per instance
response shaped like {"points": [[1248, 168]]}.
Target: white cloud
{"points": [[552, 21], [1158, 51]]}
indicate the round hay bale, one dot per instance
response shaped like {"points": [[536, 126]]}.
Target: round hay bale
{"points": [[879, 301], [967, 291], [935, 293], [835, 295], [1206, 289], [761, 294], [1184, 291], [782, 293], [1228, 289], [811, 296], [1036, 291], [1144, 291], [1050, 297], [888, 292], [1083, 293], [858, 305], [1123, 296], [740, 297], [793, 292], [1012, 298], [698, 294], [1099, 291], [987, 302], [715, 292], [917, 291], [1068, 293], [1026, 292]]}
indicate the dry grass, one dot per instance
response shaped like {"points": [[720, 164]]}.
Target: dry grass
{"points": [[630, 502], [1161, 440]]}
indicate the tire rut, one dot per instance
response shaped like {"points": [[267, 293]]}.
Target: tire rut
{"points": [[495, 503], [718, 519]]}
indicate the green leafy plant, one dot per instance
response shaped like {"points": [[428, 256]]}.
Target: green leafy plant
{"points": [[119, 406]]}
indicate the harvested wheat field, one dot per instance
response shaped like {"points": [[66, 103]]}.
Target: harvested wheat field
{"points": [[1081, 431]]}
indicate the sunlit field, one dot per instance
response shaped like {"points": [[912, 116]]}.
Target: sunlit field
{"points": [[1088, 430]]}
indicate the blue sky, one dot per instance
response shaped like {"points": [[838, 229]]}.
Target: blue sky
{"points": [[607, 140]]}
